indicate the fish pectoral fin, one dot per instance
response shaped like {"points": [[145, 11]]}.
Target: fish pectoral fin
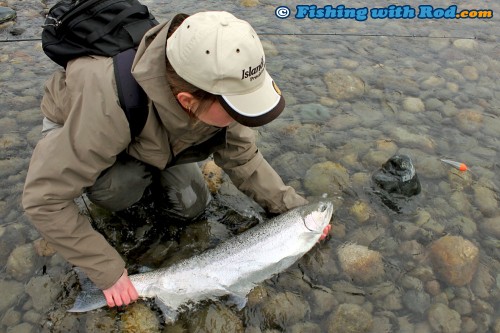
{"points": [[169, 314], [239, 300]]}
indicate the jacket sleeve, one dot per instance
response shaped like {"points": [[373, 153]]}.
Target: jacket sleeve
{"points": [[71, 158], [252, 174]]}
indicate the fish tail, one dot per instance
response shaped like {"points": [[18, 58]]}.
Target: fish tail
{"points": [[90, 298]]}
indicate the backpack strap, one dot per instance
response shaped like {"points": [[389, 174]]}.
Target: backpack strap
{"points": [[132, 97]]}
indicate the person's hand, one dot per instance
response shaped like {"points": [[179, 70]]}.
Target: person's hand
{"points": [[325, 232], [122, 292]]}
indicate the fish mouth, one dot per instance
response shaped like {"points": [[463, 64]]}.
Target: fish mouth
{"points": [[319, 218]]}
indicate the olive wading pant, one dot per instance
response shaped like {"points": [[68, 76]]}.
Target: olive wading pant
{"points": [[124, 183]]}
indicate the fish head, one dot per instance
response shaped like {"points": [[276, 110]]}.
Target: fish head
{"points": [[317, 216]]}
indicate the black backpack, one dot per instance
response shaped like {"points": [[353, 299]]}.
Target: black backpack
{"points": [[113, 28]]}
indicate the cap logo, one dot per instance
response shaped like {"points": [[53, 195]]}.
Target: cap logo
{"points": [[253, 72]]}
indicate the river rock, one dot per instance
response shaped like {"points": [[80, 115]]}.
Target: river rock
{"points": [[215, 318], [326, 177], [398, 175], [486, 200], [22, 328], [470, 73], [443, 319], [285, 309], [350, 318], [344, 85], [491, 227], [361, 211], [21, 262], [7, 14], [213, 176], [139, 318], [413, 104], [11, 292], [11, 317], [466, 44], [43, 291], [417, 301], [362, 265], [469, 121], [454, 259]]}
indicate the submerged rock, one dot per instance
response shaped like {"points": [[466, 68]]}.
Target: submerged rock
{"points": [[361, 264], [326, 177], [7, 14], [454, 259], [350, 318], [344, 85]]}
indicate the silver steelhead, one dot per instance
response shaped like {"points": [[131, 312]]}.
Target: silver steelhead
{"points": [[232, 268]]}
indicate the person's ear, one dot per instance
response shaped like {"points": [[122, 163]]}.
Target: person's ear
{"points": [[186, 100]]}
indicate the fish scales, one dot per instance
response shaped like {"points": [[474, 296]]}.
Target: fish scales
{"points": [[234, 266]]}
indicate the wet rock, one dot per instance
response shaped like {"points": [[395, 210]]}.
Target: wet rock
{"points": [[11, 292], [469, 121], [398, 176], [256, 296], [99, 321], [11, 318], [413, 104], [462, 306], [344, 85], [491, 227], [22, 328], [433, 287], [21, 262], [465, 44], [486, 200], [425, 221], [454, 259], [326, 177], [249, 3], [139, 318], [7, 14], [443, 319], [350, 318], [416, 301], [483, 282], [362, 265], [213, 176], [470, 73], [305, 327], [361, 211], [42, 248], [285, 309], [32, 317], [322, 301], [43, 291], [292, 165]]}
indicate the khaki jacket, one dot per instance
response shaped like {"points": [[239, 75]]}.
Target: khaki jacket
{"points": [[95, 130]]}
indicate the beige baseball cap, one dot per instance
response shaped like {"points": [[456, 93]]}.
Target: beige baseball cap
{"points": [[221, 54]]}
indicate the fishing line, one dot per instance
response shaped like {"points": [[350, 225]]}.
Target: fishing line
{"points": [[301, 34]]}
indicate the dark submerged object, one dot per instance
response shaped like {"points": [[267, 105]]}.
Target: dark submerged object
{"points": [[398, 175]]}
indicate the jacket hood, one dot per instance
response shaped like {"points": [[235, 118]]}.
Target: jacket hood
{"points": [[149, 69]]}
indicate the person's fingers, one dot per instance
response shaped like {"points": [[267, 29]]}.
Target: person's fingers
{"points": [[109, 299], [118, 299]]}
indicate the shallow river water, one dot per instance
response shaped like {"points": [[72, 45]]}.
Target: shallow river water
{"points": [[357, 93]]}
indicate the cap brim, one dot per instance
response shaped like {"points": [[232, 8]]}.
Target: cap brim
{"points": [[256, 108]]}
